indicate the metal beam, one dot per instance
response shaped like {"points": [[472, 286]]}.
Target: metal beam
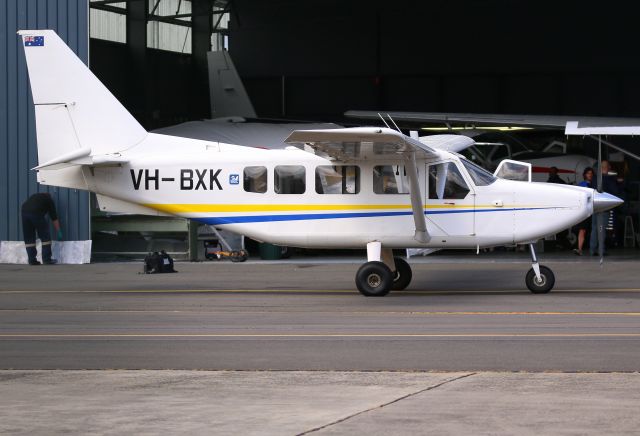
{"points": [[615, 147], [169, 20], [109, 8], [139, 86], [105, 2], [200, 45]]}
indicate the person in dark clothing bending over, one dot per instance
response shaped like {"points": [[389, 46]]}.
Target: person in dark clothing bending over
{"points": [[34, 219]]}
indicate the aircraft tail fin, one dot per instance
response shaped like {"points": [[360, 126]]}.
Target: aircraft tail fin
{"points": [[228, 95], [75, 112]]}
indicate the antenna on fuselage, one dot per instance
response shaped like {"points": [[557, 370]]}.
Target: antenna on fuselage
{"points": [[382, 118], [394, 123]]}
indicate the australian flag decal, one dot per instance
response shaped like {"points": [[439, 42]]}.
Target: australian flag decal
{"points": [[34, 41]]}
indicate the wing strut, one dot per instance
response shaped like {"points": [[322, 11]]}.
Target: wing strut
{"points": [[417, 205]]}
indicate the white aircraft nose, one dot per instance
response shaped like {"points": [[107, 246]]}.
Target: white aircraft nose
{"points": [[603, 201]]}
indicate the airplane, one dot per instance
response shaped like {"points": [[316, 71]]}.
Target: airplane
{"points": [[491, 147], [235, 121], [572, 125], [355, 187]]}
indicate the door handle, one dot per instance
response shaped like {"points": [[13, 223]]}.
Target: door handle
{"points": [[448, 202], [498, 203]]}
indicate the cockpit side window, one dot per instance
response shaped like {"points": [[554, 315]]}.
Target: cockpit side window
{"points": [[446, 182], [480, 176]]}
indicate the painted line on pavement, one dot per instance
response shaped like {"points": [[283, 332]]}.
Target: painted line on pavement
{"points": [[321, 335], [324, 312], [305, 291]]}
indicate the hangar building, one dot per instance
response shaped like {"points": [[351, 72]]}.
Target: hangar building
{"points": [[314, 60]]}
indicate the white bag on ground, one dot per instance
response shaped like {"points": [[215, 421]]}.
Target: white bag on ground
{"points": [[66, 252]]}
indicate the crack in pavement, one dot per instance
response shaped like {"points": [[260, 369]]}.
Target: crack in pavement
{"points": [[409, 395]]}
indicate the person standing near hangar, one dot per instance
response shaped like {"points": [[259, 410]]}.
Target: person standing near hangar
{"points": [[34, 219]]}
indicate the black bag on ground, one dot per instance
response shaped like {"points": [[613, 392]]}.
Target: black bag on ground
{"points": [[155, 263]]}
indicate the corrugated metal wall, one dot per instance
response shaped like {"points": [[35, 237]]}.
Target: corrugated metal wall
{"points": [[17, 121]]}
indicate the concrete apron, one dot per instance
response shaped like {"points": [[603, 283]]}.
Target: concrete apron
{"points": [[232, 402]]}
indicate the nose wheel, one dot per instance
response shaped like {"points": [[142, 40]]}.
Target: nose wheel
{"points": [[540, 279]]}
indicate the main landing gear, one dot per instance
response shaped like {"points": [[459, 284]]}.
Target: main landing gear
{"points": [[382, 273], [539, 279]]}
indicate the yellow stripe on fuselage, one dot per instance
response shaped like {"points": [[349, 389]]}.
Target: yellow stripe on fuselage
{"points": [[217, 208]]}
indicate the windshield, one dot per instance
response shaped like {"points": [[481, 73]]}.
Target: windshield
{"points": [[480, 176]]}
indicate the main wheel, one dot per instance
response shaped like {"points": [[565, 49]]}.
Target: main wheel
{"points": [[374, 279], [542, 286], [402, 276]]}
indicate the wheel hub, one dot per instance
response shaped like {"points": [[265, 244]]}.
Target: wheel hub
{"points": [[374, 280], [541, 282]]}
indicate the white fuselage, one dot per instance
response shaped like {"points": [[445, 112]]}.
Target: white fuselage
{"points": [[205, 181]]}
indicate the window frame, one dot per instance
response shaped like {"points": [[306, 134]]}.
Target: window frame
{"points": [[266, 183], [357, 181], [461, 170], [276, 179], [373, 180]]}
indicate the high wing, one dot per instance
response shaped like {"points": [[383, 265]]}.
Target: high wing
{"points": [[571, 124], [354, 144]]}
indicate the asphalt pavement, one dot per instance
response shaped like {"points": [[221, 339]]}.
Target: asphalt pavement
{"points": [[307, 316]]}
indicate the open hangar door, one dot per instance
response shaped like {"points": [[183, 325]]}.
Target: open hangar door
{"points": [[315, 60], [319, 59], [152, 55]]}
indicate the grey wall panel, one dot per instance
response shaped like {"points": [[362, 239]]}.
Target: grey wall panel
{"points": [[18, 152]]}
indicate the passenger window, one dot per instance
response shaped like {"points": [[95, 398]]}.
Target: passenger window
{"points": [[255, 179], [446, 182], [289, 179], [343, 179], [390, 179]]}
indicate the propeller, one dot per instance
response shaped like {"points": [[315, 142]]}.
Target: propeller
{"points": [[600, 215]]}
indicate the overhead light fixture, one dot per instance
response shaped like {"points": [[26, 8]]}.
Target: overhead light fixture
{"points": [[499, 128]]}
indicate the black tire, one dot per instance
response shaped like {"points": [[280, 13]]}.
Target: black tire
{"points": [[374, 279], [548, 280], [402, 276]]}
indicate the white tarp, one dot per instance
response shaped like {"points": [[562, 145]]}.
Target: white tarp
{"points": [[68, 252]]}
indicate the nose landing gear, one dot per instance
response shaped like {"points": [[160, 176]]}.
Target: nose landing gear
{"points": [[539, 279]]}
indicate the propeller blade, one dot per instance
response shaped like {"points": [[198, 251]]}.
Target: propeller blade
{"points": [[600, 215], [599, 164]]}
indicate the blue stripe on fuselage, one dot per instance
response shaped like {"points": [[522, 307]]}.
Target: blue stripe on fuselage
{"points": [[326, 216]]}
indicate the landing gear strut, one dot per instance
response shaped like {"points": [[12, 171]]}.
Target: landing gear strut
{"points": [[539, 279], [382, 272]]}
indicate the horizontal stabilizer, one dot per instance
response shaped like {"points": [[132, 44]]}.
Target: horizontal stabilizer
{"points": [[82, 156], [65, 159]]}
